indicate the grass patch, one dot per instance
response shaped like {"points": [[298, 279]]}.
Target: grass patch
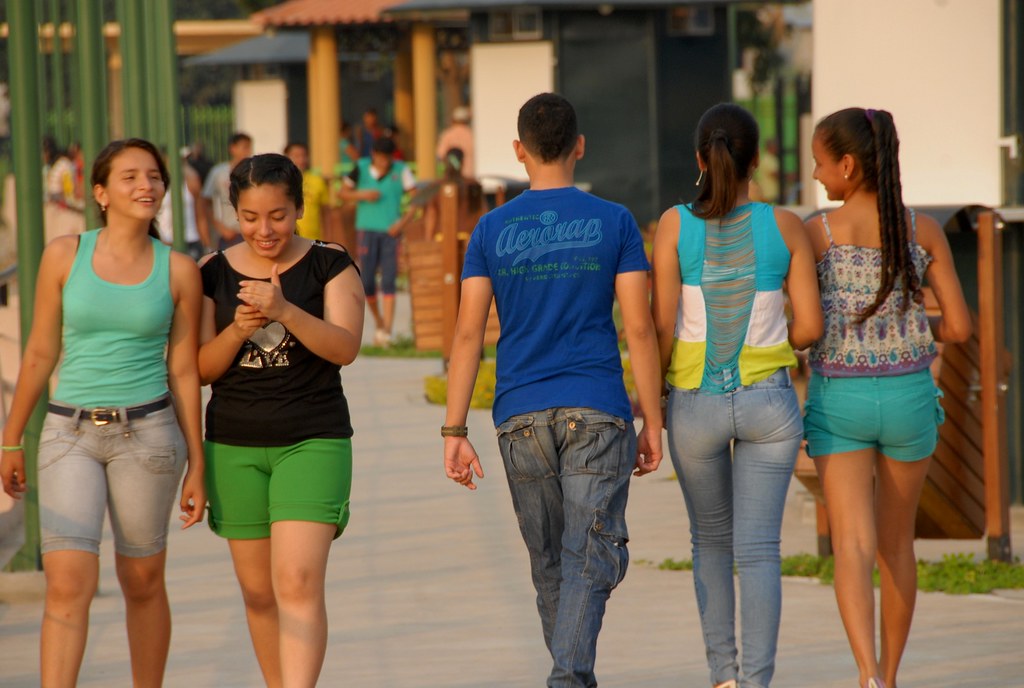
{"points": [[436, 387], [955, 574], [676, 565], [401, 347], [959, 574]]}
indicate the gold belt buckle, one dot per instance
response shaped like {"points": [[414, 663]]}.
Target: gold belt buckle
{"points": [[103, 416]]}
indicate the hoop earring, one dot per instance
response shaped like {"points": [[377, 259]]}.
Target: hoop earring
{"points": [[700, 178]]}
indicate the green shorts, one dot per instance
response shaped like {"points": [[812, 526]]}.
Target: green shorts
{"points": [[897, 416], [251, 487]]}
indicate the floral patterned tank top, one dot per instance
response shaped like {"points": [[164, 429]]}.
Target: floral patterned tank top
{"points": [[890, 342]]}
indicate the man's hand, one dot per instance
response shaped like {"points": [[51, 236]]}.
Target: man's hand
{"points": [[648, 450], [461, 461]]}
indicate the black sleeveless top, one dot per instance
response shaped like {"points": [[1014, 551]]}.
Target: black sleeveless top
{"points": [[277, 392]]}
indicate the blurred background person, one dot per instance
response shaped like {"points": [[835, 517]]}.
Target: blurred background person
{"points": [[458, 135], [198, 161], [315, 195], [216, 192], [369, 131], [197, 230], [378, 184], [62, 212]]}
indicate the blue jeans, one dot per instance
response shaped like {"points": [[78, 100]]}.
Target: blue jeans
{"points": [[130, 468], [734, 455], [568, 470], [378, 250]]}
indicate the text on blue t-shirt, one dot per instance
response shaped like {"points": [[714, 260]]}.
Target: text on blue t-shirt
{"points": [[552, 257]]}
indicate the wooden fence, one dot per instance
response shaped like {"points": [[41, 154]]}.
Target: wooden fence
{"points": [[435, 271]]}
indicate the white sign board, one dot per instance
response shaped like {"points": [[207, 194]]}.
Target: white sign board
{"points": [[261, 111], [504, 76], [935, 65]]}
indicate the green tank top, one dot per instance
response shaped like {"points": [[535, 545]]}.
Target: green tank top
{"points": [[115, 335]]}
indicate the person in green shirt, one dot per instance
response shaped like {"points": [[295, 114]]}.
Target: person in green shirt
{"points": [[378, 184]]}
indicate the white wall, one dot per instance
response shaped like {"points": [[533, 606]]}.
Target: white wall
{"points": [[261, 111], [935, 65], [504, 76]]}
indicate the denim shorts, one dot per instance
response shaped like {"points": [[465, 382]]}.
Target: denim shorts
{"points": [[132, 468], [898, 416], [251, 487]]}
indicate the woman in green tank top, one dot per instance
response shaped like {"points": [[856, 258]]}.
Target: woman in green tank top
{"points": [[124, 311]]}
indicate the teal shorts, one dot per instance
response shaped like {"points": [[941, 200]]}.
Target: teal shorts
{"points": [[897, 416], [251, 487]]}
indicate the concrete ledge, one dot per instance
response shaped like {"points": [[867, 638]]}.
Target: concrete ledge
{"points": [[22, 586]]}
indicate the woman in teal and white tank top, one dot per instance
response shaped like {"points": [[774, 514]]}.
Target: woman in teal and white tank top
{"points": [[720, 266], [123, 309]]}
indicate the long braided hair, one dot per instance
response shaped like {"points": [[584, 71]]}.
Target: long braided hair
{"points": [[869, 136]]}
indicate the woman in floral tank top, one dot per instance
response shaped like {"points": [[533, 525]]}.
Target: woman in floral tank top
{"points": [[873, 411]]}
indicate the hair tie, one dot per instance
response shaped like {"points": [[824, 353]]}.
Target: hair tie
{"points": [[718, 134], [870, 115]]}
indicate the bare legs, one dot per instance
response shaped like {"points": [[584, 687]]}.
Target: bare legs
{"points": [[388, 301], [861, 492], [899, 490], [382, 308], [378, 319], [149, 616], [252, 568], [71, 580], [282, 580]]}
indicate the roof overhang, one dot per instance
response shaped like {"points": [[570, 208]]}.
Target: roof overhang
{"points": [[272, 48], [433, 9], [306, 13]]}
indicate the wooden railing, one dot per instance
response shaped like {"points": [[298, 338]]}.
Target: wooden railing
{"points": [[435, 272]]}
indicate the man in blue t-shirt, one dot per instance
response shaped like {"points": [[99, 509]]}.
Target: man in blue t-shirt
{"points": [[555, 259]]}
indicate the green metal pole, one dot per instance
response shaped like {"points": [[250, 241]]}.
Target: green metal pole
{"points": [[92, 73], [133, 67], [60, 128], [167, 93], [42, 93], [74, 92], [149, 16], [24, 72]]}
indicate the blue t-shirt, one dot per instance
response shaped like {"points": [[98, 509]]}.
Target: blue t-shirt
{"points": [[552, 257]]}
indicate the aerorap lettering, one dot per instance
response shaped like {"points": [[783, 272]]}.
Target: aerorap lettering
{"points": [[534, 242]]}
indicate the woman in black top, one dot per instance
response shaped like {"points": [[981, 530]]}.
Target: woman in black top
{"points": [[281, 315]]}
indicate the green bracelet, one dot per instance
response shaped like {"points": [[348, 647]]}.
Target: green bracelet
{"points": [[12, 447]]}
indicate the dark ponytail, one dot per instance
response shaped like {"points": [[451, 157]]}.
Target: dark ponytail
{"points": [[727, 139], [104, 161], [869, 136]]}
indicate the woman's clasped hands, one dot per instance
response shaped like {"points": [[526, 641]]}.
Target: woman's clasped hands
{"points": [[262, 302]]}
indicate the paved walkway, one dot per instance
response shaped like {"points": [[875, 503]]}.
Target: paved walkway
{"points": [[429, 587]]}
